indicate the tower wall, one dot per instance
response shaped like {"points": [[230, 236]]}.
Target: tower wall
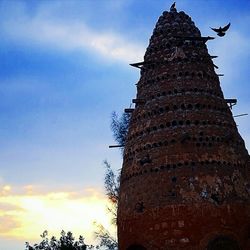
{"points": [[185, 175]]}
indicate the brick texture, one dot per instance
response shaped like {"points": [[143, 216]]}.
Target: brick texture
{"points": [[185, 175]]}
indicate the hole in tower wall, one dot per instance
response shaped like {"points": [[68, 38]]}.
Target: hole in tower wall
{"points": [[223, 243], [136, 247], [173, 141], [161, 126], [196, 122], [174, 179], [174, 123], [168, 124]]}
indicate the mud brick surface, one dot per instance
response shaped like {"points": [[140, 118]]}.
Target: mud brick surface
{"points": [[185, 175]]}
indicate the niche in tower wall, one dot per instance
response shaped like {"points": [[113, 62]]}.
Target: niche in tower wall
{"points": [[223, 243], [136, 247]]}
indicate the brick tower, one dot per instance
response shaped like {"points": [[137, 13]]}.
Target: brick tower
{"points": [[185, 175]]}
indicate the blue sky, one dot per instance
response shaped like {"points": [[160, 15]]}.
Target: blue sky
{"points": [[64, 67]]}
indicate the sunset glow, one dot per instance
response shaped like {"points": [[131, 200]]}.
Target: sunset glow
{"points": [[25, 216]]}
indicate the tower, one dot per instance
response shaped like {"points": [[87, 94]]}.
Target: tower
{"points": [[185, 175]]}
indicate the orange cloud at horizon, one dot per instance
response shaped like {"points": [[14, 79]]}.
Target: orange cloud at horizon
{"points": [[24, 215]]}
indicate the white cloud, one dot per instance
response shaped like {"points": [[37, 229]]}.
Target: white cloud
{"points": [[71, 35]]}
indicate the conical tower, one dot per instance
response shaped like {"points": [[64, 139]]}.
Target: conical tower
{"points": [[185, 175]]}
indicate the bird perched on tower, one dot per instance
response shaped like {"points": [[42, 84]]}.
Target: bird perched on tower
{"points": [[172, 8], [221, 31]]}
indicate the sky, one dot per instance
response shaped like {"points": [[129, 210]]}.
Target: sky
{"points": [[64, 68]]}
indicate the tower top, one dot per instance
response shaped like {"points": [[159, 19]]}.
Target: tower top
{"points": [[171, 31], [172, 22]]}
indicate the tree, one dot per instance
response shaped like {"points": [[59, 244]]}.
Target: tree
{"points": [[119, 127], [112, 186], [66, 242]]}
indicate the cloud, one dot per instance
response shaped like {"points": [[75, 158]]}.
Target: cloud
{"points": [[24, 215], [69, 35], [7, 224]]}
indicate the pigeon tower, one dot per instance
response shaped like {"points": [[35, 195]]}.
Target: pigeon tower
{"points": [[185, 175]]}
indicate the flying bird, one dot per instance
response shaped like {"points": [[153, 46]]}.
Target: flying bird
{"points": [[172, 8], [221, 31]]}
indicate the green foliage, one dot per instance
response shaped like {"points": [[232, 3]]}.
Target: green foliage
{"points": [[111, 184], [119, 127], [66, 242]]}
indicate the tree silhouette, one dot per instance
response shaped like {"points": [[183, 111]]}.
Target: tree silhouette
{"points": [[119, 127], [66, 242], [112, 186]]}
